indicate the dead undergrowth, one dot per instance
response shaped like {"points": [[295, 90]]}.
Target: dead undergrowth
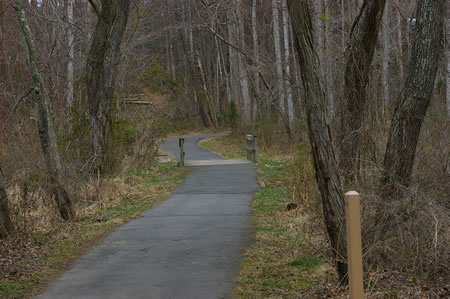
{"points": [[43, 245]]}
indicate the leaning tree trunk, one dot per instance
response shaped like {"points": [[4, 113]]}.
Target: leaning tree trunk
{"points": [[359, 55], [319, 131], [416, 95], [101, 70], [6, 226], [46, 131]]}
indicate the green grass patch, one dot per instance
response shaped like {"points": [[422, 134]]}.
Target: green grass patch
{"points": [[8, 285], [307, 262], [270, 199], [262, 229]]}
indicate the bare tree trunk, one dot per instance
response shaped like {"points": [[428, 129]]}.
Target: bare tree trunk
{"points": [[69, 33], [6, 226], [385, 58], [319, 132], [256, 59], [45, 125], [287, 64], [243, 76], [447, 57], [329, 63], [399, 41], [416, 95], [234, 60], [212, 111], [278, 61], [101, 71], [191, 62], [318, 30], [359, 55], [343, 15]]}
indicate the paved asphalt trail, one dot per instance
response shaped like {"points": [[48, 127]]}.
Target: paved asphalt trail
{"points": [[189, 246]]}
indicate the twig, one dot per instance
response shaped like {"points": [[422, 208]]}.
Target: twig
{"points": [[15, 107]]}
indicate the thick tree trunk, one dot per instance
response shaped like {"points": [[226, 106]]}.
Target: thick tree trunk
{"points": [[45, 125], [101, 70], [6, 226], [359, 55], [319, 132], [416, 95], [329, 63], [318, 28]]}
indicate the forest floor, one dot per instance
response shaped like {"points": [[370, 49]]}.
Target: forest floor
{"points": [[290, 257], [35, 258]]}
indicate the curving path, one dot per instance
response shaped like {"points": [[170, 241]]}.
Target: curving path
{"points": [[189, 246]]}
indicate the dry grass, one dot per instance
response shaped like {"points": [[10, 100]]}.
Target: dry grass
{"points": [[43, 245]]}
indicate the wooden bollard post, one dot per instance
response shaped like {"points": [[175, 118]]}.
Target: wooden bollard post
{"points": [[354, 249], [181, 145], [255, 147], [251, 147]]}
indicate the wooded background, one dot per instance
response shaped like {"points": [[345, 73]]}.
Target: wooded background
{"points": [[366, 82]]}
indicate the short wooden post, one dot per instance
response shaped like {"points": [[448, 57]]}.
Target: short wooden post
{"points": [[255, 146], [251, 147], [354, 249], [181, 145]]}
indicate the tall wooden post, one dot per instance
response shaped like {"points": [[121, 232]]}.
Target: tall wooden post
{"points": [[354, 250], [181, 145]]}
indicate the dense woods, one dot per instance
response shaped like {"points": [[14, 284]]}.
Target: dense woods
{"points": [[365, 82]]}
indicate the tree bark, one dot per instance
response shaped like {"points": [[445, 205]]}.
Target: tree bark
{"points": [[329, 60], [416, 95], [6, 226], [101, 71], [447, 57], [243, 76], [359, 55], [210, 104], [278, 60], [399, 41], [385, 58], [45, 125], [256, 105], [325, 164], [235, 88], [69, 34], [287, 64]]}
